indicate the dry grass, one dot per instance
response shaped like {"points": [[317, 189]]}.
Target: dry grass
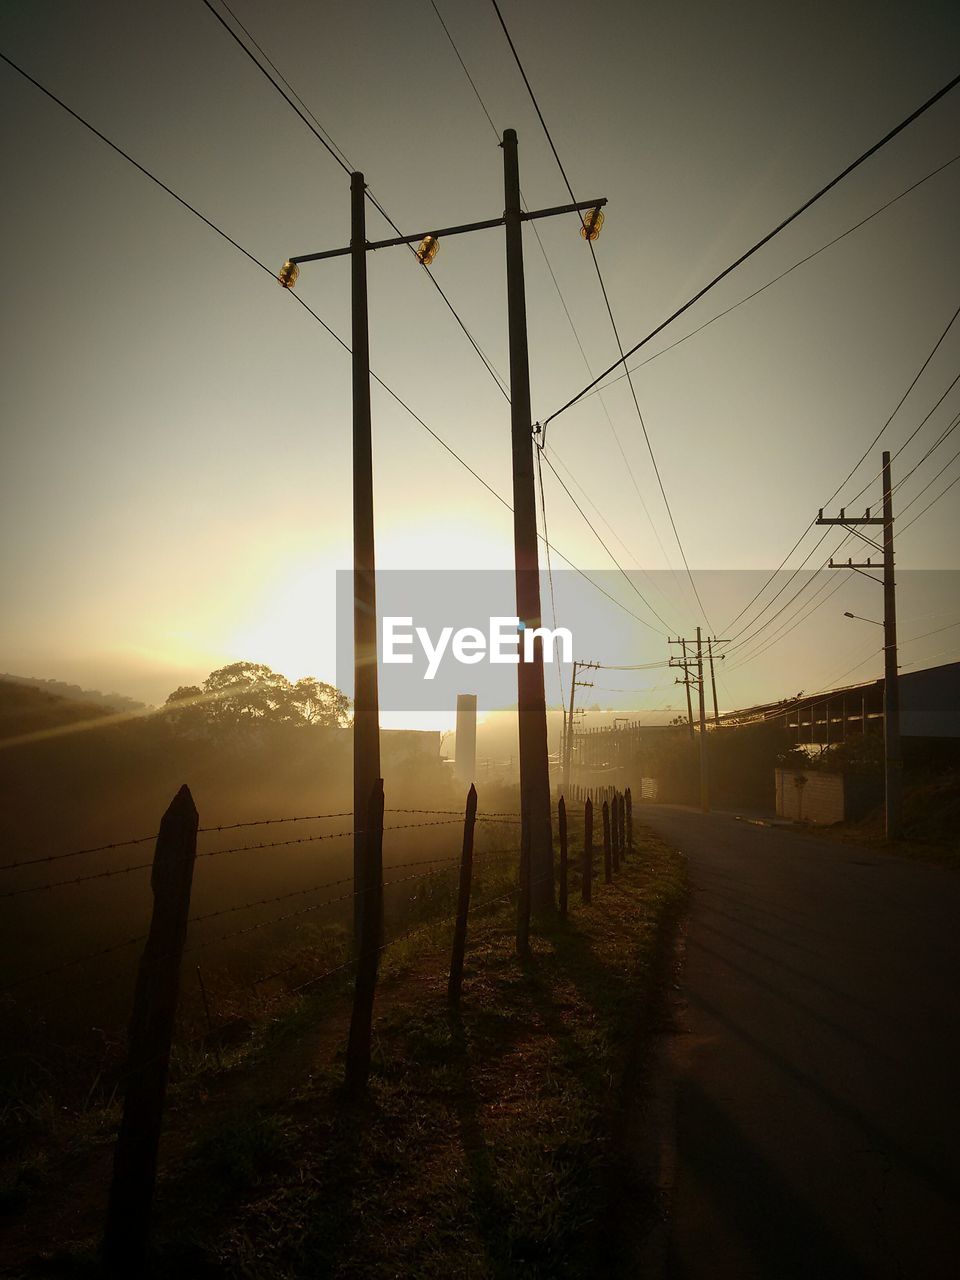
{"points": [[485, 1147]]}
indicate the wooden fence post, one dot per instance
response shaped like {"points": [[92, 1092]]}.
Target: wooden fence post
{"points": [[622, 826], [586, 885], [371, 936], [607, 866], [562, 824], [628, 800], [150, 1038], [523, 905], [463, 898], [615, 832]]}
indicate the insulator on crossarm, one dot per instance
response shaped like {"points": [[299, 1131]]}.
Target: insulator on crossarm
{"points": [[428, 250], [289, 274], [592, 222]]}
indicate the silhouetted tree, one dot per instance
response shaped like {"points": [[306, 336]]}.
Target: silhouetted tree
{"points": [[247, 695]]}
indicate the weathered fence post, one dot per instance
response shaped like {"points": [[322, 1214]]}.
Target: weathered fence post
{"points": [[607, 865], [622, 826], [149, 1041], [463, 898], [586, 885], [615, 832], [523, 905], [371, 936], [562, 824], [628, 801]]}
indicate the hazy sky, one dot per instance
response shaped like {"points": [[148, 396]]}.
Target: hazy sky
{"points": [[176, 479]]}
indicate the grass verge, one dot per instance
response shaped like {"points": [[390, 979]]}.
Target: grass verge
{"points": [[487, 1145]]}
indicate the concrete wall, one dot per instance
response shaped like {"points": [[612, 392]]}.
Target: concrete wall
{"points": [[819, 798]]}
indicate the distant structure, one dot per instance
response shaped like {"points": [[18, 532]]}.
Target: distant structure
{"points": [[465, 759]]}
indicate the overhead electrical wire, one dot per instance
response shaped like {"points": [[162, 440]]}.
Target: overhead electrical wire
{"points": [[777, 278], [924, 510], [321, 135], [847, 477], [333, 334], [633, 586], [563, 301], [606, 299], [871, 151], [809, 608]]}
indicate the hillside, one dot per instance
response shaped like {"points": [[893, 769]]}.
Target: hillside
{"points": [[25, 709], [74, 693]]}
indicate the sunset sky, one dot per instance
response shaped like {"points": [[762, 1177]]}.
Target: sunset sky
{"points": [[176, 480]]}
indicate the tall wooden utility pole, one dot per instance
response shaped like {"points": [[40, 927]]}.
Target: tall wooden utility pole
{"points": [[575, 684], [534, 767], [686, 662], [892, 762], [532, 711], [568, 730], [366, 708], [704, 767]]}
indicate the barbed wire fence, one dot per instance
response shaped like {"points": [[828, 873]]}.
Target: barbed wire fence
{"points": [[425, 885]]}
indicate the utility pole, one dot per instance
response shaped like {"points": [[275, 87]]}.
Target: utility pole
{"points": [[892, 762], [534, 765], [686, 662], [704, 768], [713, 681], [568, 744], [532, 704], [686, 683], [366, 705]]}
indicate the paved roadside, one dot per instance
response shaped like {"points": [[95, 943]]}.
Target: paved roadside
{"points": [[817, 1065]]}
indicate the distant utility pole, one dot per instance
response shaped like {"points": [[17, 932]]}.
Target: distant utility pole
{"points": [[695, 660], [704, 768], [534, 763], [686, 684], [892, 763], [575, 684], [713, 681]]}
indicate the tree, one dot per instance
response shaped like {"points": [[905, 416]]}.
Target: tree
{"points": [[319, 703], [251, 695]]}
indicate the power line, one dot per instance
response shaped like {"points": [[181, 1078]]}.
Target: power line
{"points": [[929, 483], [552, 450], [807, 610], [346, 163], [332, 333], [888, 137], [924, 510], [777, 278], [850, 473], [286, 97], [633, 586], [606, 299], [556, 285], [321, 136]]}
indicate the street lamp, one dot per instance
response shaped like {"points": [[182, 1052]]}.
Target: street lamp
{"points": [[847, 614]]}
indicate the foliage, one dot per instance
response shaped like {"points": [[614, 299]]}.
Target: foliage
{"points": [[251, 694], [860, 754]]}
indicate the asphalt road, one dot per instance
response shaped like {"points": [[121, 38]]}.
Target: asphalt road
{"points": [[816, 1062]]}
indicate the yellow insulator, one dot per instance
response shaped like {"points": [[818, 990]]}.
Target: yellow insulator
{"points": [[592, 222], [289, 274], [428, 250]]}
